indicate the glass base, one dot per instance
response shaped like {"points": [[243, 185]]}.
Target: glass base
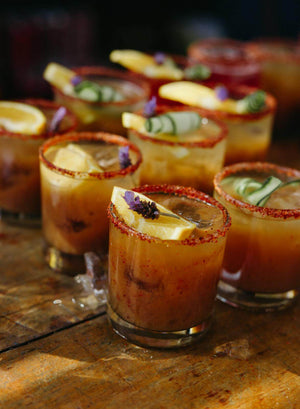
{"points": [[68, 264], [21, 219], [254, 301], [156, 339]]}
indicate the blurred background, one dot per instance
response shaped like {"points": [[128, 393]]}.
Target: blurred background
{"points": [[83, 33]]}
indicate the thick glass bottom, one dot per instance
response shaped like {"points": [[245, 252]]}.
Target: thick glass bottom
{"points": [[156, 339], [69, 264], [254, 301], [20, 219]]}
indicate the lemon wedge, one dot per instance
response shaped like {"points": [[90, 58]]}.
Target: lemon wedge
{"points": [[165, 227], [198, 95], [143, 63], [133, 121], [73, 157], [22, 118], [60, 77]]}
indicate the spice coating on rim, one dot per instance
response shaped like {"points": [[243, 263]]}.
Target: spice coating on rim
{"points": [[179, 191], [90, 137], [109, 73], [267, 50], [43, 104], [258, 167], [207, 143]]}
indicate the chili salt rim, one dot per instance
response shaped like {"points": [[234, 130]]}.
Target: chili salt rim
{"points": [[206, 143], [43, 104], [241, 91], [187, 192], [260, 50], [110, 73], [94, 137], [259, 167], [203, 51]]}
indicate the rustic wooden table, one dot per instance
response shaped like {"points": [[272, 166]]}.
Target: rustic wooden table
{"points": [[57, 349]]}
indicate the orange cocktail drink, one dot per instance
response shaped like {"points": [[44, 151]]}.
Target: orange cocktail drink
{"points": [[19, 163], [161, 289], [78, 173], [262, 259]]}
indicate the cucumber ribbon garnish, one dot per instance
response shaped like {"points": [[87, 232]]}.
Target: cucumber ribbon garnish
{"points": [[173, 122], [257, 193], [93, 92]]}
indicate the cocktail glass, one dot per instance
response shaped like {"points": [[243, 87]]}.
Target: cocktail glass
{"points": [[74, 203], [228, 59], [161, 293], [19, 166], [190, 159], [262, 259], [280, 75], [105, 116]]}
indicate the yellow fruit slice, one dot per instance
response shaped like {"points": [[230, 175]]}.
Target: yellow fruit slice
{"points": [[73, 157], [22, 118], [133, 121], [60, 77], [198, 95], [165, 227], [143, 63]]}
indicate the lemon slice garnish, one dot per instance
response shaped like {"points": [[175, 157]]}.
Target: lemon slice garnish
{"points": [[60, 77], [133, 121], [73, 157], [165, 227], [198, 95], [143, 63], [22, 118]]}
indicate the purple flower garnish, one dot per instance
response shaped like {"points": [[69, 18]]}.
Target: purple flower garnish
{"points": [[221, 93], [57, 118], [150, 107], [159, 57], [76, 80], [124, 158], [147, 209]]}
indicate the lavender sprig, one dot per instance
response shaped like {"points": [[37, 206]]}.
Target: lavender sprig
{"points": [[150, 107], [146, 209], [76, 80], [57, 118], [221, 93], [124, 158], [159, 57]]}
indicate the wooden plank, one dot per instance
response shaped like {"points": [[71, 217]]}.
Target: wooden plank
{"points": [[33, 297], [246, 361]]}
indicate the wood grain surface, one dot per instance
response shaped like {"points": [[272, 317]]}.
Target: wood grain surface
{"points": [[58, 350]]}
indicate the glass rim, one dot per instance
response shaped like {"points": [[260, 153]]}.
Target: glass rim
{"points": [[42, 103], [176, 190], [259, 48], [243, 90], [256, 210], [112, 73], [90, 136], [206, 143], [242, 64]]}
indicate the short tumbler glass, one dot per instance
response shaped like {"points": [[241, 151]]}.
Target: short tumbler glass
{"points": [[161, 293]]}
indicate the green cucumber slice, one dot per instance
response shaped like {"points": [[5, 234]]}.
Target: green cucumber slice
{"points": [[93, 92], [197, 72], [291, 183], [173, 123], [260, 196], [245, 186]]}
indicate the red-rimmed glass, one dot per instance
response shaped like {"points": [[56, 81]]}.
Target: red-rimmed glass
{"points": [[161, 292], [262, 259], [191, 159], [249, 135], [106, 116], [19, 166], [280, 66], [74, 203], [228, 60]]}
